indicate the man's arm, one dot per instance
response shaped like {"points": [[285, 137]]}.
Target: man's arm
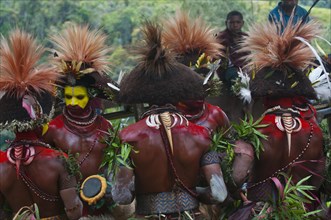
{"points": [[123, 189], [2, 202], [73, 205], [216, 192], [68, 192]]}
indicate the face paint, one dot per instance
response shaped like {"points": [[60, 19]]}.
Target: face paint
{"points": [[76, 95]]}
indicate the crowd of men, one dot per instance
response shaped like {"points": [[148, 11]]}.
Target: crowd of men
{"points": [[183, 156]]}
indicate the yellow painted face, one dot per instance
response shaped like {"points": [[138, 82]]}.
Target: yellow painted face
{"points": [[76, 95]]}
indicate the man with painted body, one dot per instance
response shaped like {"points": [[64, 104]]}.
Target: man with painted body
{"points": [[281, 14], [79, 130], [168, 150], [295, 140], [31, 171], [199, 42]]}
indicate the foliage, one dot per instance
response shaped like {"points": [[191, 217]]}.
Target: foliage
{"points": [[121, 19], [327, 150], [221, 144], [247, 130], [72, 165], [116, 154], [28, 212], [291, 206]]}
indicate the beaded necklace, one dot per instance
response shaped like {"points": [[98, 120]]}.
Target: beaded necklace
{"points": [[292, 162], [91, 121], [31, 185], [90, 150]]}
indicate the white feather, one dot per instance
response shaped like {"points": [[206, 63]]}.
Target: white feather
{"points": [[2, 93], [315, 74], [245, 95], [120, 76], [113, 86], [328, 88], [319, 81], [324, 39], [245, 92]]}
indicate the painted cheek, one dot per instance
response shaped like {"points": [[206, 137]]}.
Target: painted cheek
{"points": [[82, 103], [68, 101]]}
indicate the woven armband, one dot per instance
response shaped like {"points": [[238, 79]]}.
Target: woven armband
{"points": [[211, 157]]}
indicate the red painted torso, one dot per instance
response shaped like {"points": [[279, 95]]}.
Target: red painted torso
{"points": [[84, 140], [275, 155], [151, 166], [204, 114], [45, 172]]}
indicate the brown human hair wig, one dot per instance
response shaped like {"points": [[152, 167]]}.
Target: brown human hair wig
{"points": [[158, 78]]}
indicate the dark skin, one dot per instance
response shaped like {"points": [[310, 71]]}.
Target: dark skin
{"points": [[276, 153], [74, 143], [288, 6], [52, 181], [79, 140], [234, 23], [280, 157], [213, 117], [152, 173]]}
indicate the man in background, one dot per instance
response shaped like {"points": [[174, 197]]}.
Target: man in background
{"points": [[282, 12], [230, 38]]}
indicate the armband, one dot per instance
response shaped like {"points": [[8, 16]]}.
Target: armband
{"points": [[211, 157]]}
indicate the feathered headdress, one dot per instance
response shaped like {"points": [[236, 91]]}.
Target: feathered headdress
{"points": [[25, 87], [279, 61], [81, 56], [158, 78], [191, 40]]}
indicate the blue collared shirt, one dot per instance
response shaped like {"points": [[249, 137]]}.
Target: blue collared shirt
{"points": [[277, 15]]}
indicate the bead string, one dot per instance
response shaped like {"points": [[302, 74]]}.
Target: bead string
{"points": [[28, 182], [292, 162], [90, 150], [79, 122], [29, 142], [178, 181]]}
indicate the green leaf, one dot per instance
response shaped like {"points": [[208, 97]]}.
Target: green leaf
{"points": [[312, 212]]}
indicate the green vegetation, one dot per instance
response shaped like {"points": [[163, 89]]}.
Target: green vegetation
{"points": [[121, 19], [291, 204]]}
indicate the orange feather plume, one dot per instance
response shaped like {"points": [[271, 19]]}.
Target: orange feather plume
{"points": [[79, 44], [269, 48], [185, 36], [19, 71]]}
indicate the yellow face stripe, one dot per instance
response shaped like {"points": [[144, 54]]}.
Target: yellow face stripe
{"points": [[76, 95]]}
